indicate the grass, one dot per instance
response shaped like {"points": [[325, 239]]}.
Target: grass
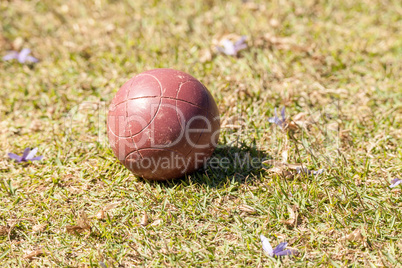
{"points": [[339, 64]]}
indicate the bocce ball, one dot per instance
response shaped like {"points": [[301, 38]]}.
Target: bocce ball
{"points": [[162, 124]]}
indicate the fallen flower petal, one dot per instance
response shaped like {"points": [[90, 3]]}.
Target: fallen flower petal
{"points": [[25, 154], [280, 250], [37, 158], [28, 155], [283, 113], [240, 44], [278, 121], [31, 59], [229, 48], [22, 56], [318, 172], [286, 252], [308, 171], [395, 182], [266, 246], [15, 157], [280, 247], [10, 56]]}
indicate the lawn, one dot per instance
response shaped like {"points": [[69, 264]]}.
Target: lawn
{"points": [[336, 67]]}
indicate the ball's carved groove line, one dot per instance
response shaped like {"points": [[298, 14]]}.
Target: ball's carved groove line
{"points": [[135, 145], [123, 136], [159, 105], [128, 93], [177, 114], [152, 119], [178, 100], [117, 136], [207, 110], [162, 97], [193, 104], [131, 86], [157, 80], [198, 139], [111, 131]]}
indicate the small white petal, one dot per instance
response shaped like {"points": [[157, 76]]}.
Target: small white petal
{"points": [[31, 154], [266, 246], [229, 48]]}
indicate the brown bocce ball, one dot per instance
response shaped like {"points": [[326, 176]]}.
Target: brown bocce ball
{"points": [[162, 124]]}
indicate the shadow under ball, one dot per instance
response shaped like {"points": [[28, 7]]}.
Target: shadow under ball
{"points": [[162, 124]]}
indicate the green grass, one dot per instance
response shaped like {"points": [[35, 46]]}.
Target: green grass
{"points": [[338, 63]]}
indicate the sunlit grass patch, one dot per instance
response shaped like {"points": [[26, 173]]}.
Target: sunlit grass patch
{"points": [[336, 69]]}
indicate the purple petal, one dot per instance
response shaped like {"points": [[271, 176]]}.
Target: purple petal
{"points": [[241, 41], [37, 158], [25, 154], [283, 113], [31, 59], [303, 170], [318, 172], [240, 47], [285, 252], [395, 182], [22, 56], [274, 118], [11, 55], [31, 154], [280, 247], [15, 157]]}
